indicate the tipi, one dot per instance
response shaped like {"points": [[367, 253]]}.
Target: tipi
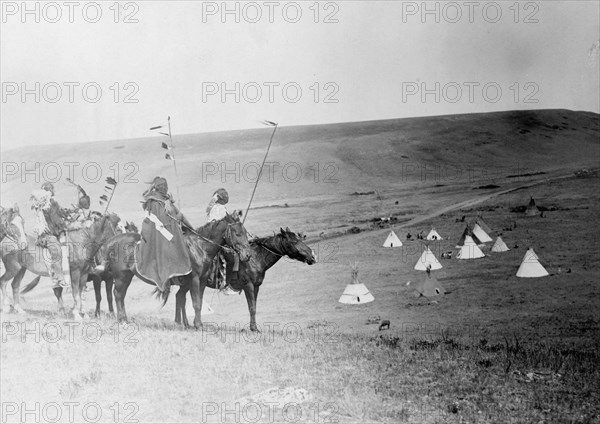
{"points": [[429, 286], [532, 209], [479, 220], [392, 240], [466, 233], [356, 293], [531, 266], [426, 260], [500, 246], [433, 235], [481, 235], [470, 250]]}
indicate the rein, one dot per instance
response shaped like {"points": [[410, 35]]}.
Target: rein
{"points": [[269, 250], [227, 236]]}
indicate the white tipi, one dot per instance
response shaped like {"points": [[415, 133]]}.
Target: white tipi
{"points": [[433, 235], [500, 246], [531, 266], [427, 258], [392, 240], [469, 250], [481, 235], [356, 293]]}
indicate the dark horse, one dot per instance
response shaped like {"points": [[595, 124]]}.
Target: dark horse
{"points": [[203, 245], [266, 252], [107, 277], [83, 244]]}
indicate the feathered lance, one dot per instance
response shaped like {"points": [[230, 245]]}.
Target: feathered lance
{"points": [[274, 125], [170, 156], [112, 185]]}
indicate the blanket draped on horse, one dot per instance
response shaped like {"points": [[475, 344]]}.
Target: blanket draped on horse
{"points": [[161, 253]]}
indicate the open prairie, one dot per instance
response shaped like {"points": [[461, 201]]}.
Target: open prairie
{"points": [[494, 349]]}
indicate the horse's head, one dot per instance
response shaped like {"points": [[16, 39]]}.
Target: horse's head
{"points": [[130, 227], [107, 226], [293, 245], [236, 236], [13, 225]]}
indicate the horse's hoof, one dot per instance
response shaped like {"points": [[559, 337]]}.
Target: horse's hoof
{"points": [[18, 310], [77, 316]]}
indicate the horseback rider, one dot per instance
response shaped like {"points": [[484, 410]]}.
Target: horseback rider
{"points": [[215, 211], [81, 216], [50, 225], [162, 252]]}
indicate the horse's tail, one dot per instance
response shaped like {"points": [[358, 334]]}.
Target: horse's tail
{"points": [[162, 296], [31, 285]]}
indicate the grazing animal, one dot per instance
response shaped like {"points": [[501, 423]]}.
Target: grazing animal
{"points": [[385, 325], [265, 252], [84, 244], [202, 244]]}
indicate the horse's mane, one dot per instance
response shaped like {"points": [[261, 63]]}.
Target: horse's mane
{"points": [[208, 228], [263, 240]]}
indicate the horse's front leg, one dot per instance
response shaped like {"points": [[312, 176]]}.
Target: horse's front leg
{"points": [[58, 293], [76, 287], [110, 282], [180, 301], [16, 287], [97, 281], [11, 271], [197, 288], [251, 299]]}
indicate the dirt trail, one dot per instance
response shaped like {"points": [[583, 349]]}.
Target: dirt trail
{"points": [[456, 206]]}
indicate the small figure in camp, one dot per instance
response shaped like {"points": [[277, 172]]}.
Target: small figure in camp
{"points": [[408, 236], [215, 211], [50, 227]]}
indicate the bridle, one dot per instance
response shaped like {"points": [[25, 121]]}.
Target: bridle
{"points": [[228, 238]]}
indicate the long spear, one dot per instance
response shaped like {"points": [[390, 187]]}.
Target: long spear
{"points": [[170, 156], [274, 125]]}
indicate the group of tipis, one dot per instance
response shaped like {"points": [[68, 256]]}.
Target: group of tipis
{"points": [[471, 244]]}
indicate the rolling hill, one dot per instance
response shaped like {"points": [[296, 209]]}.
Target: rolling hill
{"points": [[325, 176]]}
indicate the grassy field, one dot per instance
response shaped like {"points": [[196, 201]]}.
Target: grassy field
{"points": [[494, 349]]}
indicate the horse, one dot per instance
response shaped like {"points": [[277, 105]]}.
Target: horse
{"points": [[266, 252], [107, 276], [12, 228], [12, 225], [203, 245], [83, 244]]}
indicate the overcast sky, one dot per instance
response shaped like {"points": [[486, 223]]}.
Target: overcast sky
{"points": [[371, 61]]}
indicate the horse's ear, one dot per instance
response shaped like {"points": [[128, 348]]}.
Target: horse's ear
{"points": [[287, 229], [281, 230], [16, 208]]}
